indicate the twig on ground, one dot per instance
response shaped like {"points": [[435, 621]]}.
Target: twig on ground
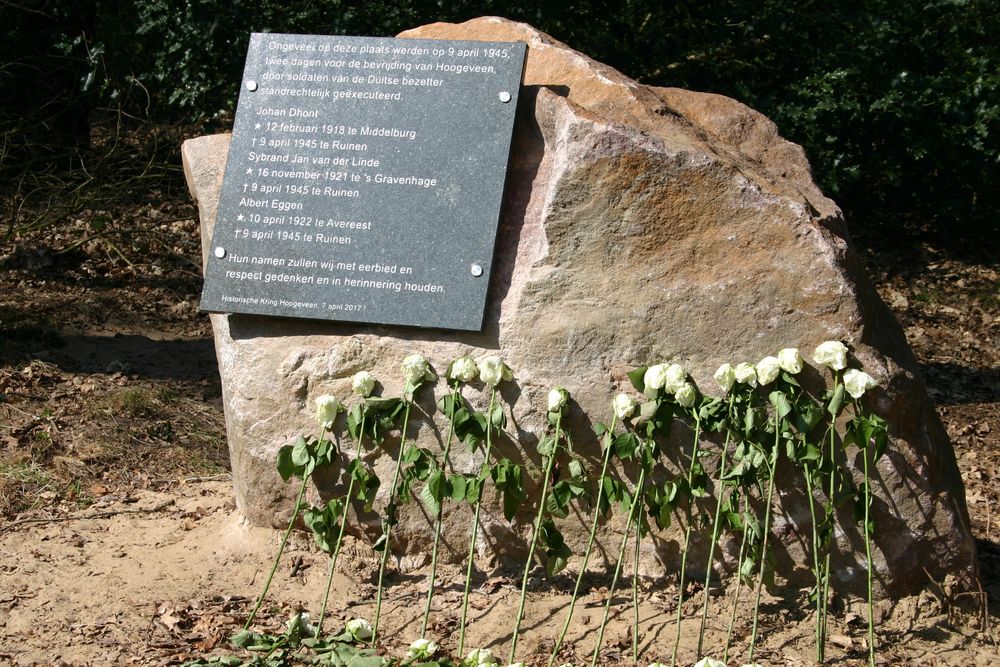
{"points": [[989, 518], [192, 480], [82, 517]]}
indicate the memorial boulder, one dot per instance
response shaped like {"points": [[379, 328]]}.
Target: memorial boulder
{"points": [[638, 225]]}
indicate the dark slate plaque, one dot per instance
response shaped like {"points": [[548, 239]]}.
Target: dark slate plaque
{"points": [[364, 180]]}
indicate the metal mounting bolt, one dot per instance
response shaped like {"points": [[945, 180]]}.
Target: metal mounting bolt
{"points": [[504, 96], [251, 85], [476, 270], [220, 252]]}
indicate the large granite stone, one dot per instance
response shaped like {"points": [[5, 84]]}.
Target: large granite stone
{"points": [[640, 225]]}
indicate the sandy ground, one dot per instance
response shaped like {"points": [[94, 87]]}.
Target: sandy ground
{"points": [[157, 577]]}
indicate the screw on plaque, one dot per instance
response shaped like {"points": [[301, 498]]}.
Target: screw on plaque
{"points": [[220, 252], [476, 270], [504, 96], [251, 85]]}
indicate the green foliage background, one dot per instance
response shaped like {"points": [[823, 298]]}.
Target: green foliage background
{"points": [[895, 101]]}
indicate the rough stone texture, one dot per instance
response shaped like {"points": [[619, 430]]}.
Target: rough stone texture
{"points": [[640, 225]]}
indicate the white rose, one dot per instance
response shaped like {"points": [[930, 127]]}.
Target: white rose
{"points": [[416, 369], [686, 394], [422, 649], [301, 622], [858, 382], [360, 629], [327, 408], [492, 370], [676, 377], [790, 360], [557, 399], [480, 657], [709, 662], [463, 369], [832, 353], [655, 376], [363, 383], [725, 377], [767, 369], [746, 374], [623, 406]]}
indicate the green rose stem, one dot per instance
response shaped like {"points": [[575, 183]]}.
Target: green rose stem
{"points": [[820, 647], [715, 531], [340, 533], [456, 393], [590, 544], [687, 534], [834, 409], [390, 511], [810, 474], [635, 502], [635, 591], [739, 585], [475, 522], [867, 500], [534, 536], [868, 556], [284, 542], [772, 467]]}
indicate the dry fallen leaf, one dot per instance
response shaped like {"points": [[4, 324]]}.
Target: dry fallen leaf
{"points": [[209, 642], [171, 617]]}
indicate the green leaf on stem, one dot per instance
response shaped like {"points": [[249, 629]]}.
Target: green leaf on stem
{"points": [[470, 427], [473, 489], [699, 480], [446, 404], [660, 499], [750, 419], [457, 487], [243, 639], [612, 491], [637, 378], [326, 451], [780, 402], [324, 522], [562, 493], [366, 482], [434, 491], [380, 543], [354, 419], [788, 378], [807, 414], [418, 464], [662, 420], [556, 551], [647, 412], [625, 445], [286, 468], [300, 452], [836, 400], [497, 417], [547, 446], [380, 415], [508, 480]]}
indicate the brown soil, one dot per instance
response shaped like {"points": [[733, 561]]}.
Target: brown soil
{"points": [[120, 545]]}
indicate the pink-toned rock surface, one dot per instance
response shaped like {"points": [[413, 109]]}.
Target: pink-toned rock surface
{"points": [[640, 225]]}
